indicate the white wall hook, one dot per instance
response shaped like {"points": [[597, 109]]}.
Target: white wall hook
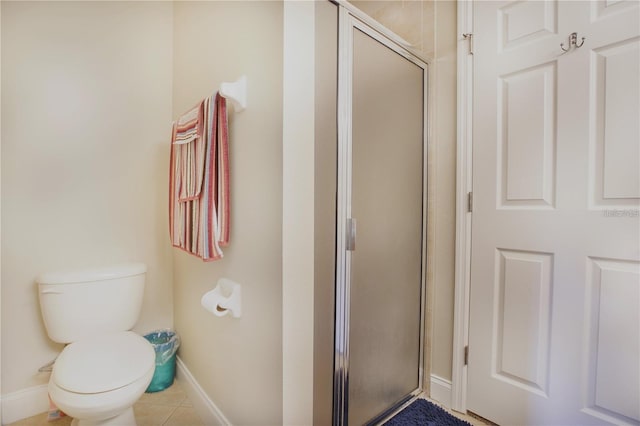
{"points": [[224, 298], [236, 92]]}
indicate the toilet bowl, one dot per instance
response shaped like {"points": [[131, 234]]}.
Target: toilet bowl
{"points": [[105, 368], [97, 381]]}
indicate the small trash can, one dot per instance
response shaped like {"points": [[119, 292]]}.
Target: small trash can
{"points": [[165, 343]]}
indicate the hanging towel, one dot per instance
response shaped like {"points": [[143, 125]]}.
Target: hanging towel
{"points": [[190, 152], [207, 246], [199, 221], [223, 171]]}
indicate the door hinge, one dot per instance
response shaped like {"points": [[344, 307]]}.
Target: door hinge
{"points": [[466, 355], [469, 202], [469, 36]]}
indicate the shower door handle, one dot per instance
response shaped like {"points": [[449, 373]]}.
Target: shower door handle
{"points": [[351, 234]]}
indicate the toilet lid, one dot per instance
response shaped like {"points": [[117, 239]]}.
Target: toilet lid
{"points": [[103, 363]]}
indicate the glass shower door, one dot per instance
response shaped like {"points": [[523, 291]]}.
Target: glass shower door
{"points": [[385, 268]]}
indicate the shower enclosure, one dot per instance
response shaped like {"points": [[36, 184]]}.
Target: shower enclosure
{"points": [[381, 222]]}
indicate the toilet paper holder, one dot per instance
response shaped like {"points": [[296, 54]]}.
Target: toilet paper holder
{"points": [[224, 298]]}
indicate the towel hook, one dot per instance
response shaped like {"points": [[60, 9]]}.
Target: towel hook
{"points": [[573, 42]]}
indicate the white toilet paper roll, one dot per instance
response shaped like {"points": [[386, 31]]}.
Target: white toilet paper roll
{"points": [[224, 298]]}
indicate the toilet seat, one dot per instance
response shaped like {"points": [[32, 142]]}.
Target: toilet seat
{"points": [[105, 408], [103, 363]]}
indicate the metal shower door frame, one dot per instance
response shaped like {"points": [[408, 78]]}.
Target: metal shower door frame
{"points": [[351, 19]]}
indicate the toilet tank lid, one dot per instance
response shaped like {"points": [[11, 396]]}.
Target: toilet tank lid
{"points": [[93, 274]]}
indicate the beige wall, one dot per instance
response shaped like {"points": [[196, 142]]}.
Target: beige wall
{"points": [[410, 19], [85, 115], [298, 213], [86, 111], [326, 163], [238, 362], [444, 186], [430, 27]]}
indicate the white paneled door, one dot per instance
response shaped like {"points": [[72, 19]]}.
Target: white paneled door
{"points": [[554, 332]]}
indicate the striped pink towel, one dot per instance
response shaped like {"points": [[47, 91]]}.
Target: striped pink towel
{"points": [[223, 194], [199, 221], [190, 152]]}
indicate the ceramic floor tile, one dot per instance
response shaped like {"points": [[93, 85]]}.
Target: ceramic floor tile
{"points": [[152, 409], [172, 396], [184, 416], [151, 414], [41, 420]]}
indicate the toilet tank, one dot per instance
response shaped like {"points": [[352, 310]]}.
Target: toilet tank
{"points": [[80, 304]]}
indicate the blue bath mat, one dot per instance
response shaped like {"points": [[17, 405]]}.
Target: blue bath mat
{"points": [[423, 413]]}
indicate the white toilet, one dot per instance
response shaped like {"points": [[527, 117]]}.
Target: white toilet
{"points": [[105, 368]]}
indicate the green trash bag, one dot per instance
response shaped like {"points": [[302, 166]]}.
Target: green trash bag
{"points": [[165, 343]]}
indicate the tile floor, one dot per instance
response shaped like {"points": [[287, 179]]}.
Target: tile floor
{"points": [[171, 407]]}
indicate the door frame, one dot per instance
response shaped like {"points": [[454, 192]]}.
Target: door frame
{"points": [[464, 204], [350, 18]]}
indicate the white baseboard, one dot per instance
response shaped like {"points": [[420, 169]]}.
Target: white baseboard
{"points": [[441, 390], [24, 403], [206, 409]]}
